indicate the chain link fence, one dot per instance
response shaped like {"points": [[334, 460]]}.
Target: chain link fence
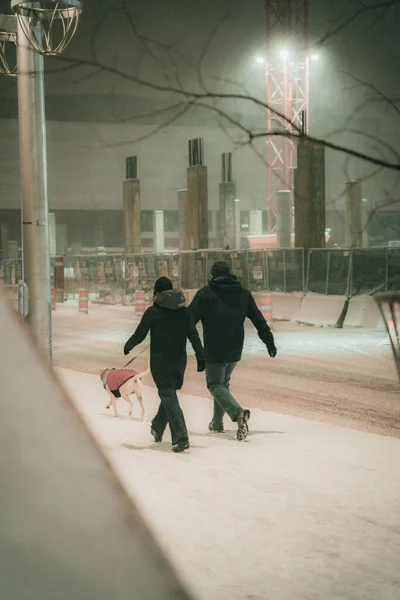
{"points": [[117, 277]]}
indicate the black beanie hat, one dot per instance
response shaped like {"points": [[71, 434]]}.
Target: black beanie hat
{"points": [[162, 284], [220, 268]]}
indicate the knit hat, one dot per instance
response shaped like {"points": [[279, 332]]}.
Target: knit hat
{"points": [[220, 268], [162, 284]]}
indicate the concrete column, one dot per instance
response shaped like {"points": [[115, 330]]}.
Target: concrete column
{"points": [[4, 240], [158, 231], [227, 196], [185, 227], [255, 222], [227, 220], [131, 194], [237, 225], [52, 234], [284, 219], [197, 196], [61, 240], [353, 215], [309, 196], [365, 221]]}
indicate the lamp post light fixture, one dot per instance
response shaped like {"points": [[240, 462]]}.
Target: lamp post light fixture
{"points": [[8, 45], [37, 35]]}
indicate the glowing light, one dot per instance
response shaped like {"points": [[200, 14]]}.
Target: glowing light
{"points": [[260, 60], [314, 56], [284, 53]]}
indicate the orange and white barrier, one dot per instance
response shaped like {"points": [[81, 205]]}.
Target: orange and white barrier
{"points": [[264, 302], [53, 299], [140, 303], [83, 305]]}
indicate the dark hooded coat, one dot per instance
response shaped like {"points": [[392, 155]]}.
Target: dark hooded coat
{"points": [[222, 306], [170, 325]]}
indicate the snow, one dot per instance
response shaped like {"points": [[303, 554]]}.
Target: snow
{"points": [[300, 510]]}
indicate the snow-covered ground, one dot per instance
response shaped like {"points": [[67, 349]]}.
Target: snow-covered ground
{"points": [[344, 376], [299, 511]]}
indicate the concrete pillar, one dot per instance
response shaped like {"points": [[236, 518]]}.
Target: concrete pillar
{"points": [[309, 196], [255, 222], [158, 231], [237, 225], [185, 229], [52, 234], [353, 220], [131, 196], [227, 196], [365, 221], [227, 220], [284, 219], [61, 240], [197, 196], [4, 241]]}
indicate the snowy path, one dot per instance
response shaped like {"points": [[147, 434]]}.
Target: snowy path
{"points": [[300, 511]]}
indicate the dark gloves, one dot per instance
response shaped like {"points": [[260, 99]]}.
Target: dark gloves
{"points": [[272, 351], [201, 364]]}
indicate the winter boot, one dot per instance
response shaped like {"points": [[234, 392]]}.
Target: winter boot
{"points": [[215, 429], [157, 436], [243, 428], [181, 445]]}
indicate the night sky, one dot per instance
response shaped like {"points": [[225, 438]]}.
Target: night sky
{"points": [[226, 36]]}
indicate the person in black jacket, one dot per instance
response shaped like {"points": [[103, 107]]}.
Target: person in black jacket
{"points": [[222, 306], [170, 324]]}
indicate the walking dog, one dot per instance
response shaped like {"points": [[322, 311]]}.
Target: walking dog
{"points": [[121, 383]]}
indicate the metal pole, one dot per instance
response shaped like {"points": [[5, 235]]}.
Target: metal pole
{"points": [[35, 208]]}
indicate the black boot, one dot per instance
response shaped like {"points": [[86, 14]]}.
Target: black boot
{"points": [[157, 436], [180, 446], [215, 429], [243, 428]]}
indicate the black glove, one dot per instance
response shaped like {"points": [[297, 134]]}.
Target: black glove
{"points": [[272, 351], [126, 349], [201, 365]]}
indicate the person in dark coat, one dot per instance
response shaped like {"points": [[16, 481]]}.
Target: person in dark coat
{"points": [[222, 306], [170, 324]]}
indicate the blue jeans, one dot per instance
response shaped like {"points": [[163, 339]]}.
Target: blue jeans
{"points": [[218, 379], [170, 413]]}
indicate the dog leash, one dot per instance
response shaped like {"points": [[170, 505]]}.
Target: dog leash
{"points": [[135, 357]]}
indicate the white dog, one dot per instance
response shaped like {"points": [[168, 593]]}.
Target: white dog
{"points": [[121, 383]]}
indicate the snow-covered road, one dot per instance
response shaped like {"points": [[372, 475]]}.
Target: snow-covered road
{"points": [[300, 511]]}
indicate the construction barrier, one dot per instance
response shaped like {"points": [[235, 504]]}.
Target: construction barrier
{"points": [[140, 303], [53, 299], [264, 303], [83, 305], [363, 311], [186, 294], [320, 310]]}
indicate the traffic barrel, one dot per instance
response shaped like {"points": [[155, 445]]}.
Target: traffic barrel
{"points": [[83, 306]]}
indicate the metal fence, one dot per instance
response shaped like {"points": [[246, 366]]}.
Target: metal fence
{"points": [[347, 272]]}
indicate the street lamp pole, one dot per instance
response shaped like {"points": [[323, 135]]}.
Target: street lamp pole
{"points": [[36, 35], [34, 188]]}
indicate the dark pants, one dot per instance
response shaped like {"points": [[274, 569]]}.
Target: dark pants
{"points": [[218, 380], [170, 413]]}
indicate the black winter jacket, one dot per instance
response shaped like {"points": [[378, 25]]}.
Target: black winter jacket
{"points": [[170, 324], [222, 306]]}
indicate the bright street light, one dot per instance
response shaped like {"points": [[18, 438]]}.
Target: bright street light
{"points": [[284, 53]]}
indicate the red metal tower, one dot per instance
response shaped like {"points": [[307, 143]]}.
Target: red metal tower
{"points": [[287, 88]]}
